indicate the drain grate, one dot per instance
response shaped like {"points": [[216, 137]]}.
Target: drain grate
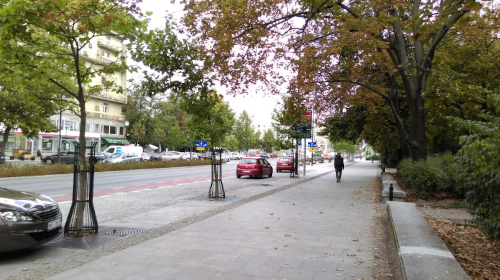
{"points": [[105, 235], [205, 198], [261, 185]]}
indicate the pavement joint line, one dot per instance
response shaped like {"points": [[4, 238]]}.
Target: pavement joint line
{"points": [[108, 249]]}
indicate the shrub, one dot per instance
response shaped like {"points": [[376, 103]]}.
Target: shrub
{"points": [[429, 178], [479, 162]]}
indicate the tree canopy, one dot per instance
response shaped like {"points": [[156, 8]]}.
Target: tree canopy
{"points": [[335, 49]]}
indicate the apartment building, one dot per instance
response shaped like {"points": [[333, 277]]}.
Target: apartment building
{"points": [[105, 120]]}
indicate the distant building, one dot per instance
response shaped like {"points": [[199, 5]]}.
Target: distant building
{"points": [[105, 120]]}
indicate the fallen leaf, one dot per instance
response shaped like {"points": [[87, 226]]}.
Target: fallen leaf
{"points": [[115, 263], [288, 235], [48, 266], [340, 269], [267, 227], [35, 262], [270, 213], [329, 254], [355, 239], [321, 212], [25, 269]]}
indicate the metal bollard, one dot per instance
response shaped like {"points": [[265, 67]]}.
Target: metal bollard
{"points": [[391, 192]]}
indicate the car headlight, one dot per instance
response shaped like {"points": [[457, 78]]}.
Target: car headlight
{"points": [[15, 216]]}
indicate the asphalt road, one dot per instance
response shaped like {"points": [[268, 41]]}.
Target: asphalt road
{"points": [[60, 187]]}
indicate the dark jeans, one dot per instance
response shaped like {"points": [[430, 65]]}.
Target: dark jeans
{"points": [[338, 173]]}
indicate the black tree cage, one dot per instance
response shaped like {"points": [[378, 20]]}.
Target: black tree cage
{"points": [[87, 222]]}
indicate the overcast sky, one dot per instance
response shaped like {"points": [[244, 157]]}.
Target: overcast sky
{"points": [[256, 104]]}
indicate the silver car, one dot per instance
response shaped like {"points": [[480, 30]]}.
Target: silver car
{"points": [[123, 157], [27, 219]]}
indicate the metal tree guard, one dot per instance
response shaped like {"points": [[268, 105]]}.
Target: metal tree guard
{"points": [[89, 222], [216, 167]]}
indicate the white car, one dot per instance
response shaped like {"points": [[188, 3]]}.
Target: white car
{"points": [[171, 155], [188, 156], [236, 156]]}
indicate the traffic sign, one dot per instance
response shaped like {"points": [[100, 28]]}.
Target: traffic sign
{"points": [[312, 150], [311, 144], [201, 145]]}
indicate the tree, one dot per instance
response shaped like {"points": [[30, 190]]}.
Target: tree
{"points": [[268, 141], [44, 40], [27, 107], [243, 132], [209, 115], [334, 48]]}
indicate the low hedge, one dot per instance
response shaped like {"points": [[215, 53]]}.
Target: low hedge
{"points": [[15, 170]]}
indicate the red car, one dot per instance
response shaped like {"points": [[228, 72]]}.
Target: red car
{"points": [[257, 167], [284, 164], [273, 155]]}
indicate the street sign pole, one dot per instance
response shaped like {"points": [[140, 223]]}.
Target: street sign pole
{"points": [[305, 149]]}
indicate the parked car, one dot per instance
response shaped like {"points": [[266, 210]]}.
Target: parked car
{"points": [[171, 155], [273, 155], [264, 155], [236, 156], [284, 164], [189, 156], [145, 157], [2, 157], [27, 219], [100, 156], [123, 157], [66, 157], [254, 167], [154, 156]]}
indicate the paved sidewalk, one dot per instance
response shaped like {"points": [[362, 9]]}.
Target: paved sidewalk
{"points": [[314, 229]]}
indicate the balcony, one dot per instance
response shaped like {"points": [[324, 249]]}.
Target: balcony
{"points": [[95, 58], [109, 96], [99, 115], [107, 45]]}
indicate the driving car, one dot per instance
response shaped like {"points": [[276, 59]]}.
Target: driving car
{"points": [[171, 155], [67, 157], [284, 164], [123, 157], [254, 167], [100, 156], [27, 219]]}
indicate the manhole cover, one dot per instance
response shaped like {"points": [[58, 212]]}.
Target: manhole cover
{"points": [[205, 198], [105, 235]]}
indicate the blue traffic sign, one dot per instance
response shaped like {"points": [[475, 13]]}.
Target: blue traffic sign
{"points": [[311, 144], [201, 145]]}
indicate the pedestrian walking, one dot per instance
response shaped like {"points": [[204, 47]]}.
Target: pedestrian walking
{"points": [[338, 163], [39, 154]]}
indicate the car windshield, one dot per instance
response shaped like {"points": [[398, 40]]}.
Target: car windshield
{"points": [[286, 159], [117, 155], [248, 161]]}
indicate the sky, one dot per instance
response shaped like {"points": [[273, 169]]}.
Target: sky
{"points": [[256, 104]]}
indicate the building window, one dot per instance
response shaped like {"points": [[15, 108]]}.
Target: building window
{"points": [[105, 129], [105, 107], [107, 37], [95, 128], [112, 130], [106, 89], [122, 130], [87, 127], [107, 54]]}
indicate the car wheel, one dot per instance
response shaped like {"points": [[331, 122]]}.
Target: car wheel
{"points": [[49, 161], [238, 176], [271, 174], [260, 174]]}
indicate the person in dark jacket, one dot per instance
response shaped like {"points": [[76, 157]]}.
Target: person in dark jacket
{"points": [[39, 154], [338, 163]]}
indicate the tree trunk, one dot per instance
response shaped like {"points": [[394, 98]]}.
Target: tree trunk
{"points": [[5, 138], [82, 180]]}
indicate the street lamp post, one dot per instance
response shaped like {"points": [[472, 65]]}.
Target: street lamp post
{"points": [[59, 144]]}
